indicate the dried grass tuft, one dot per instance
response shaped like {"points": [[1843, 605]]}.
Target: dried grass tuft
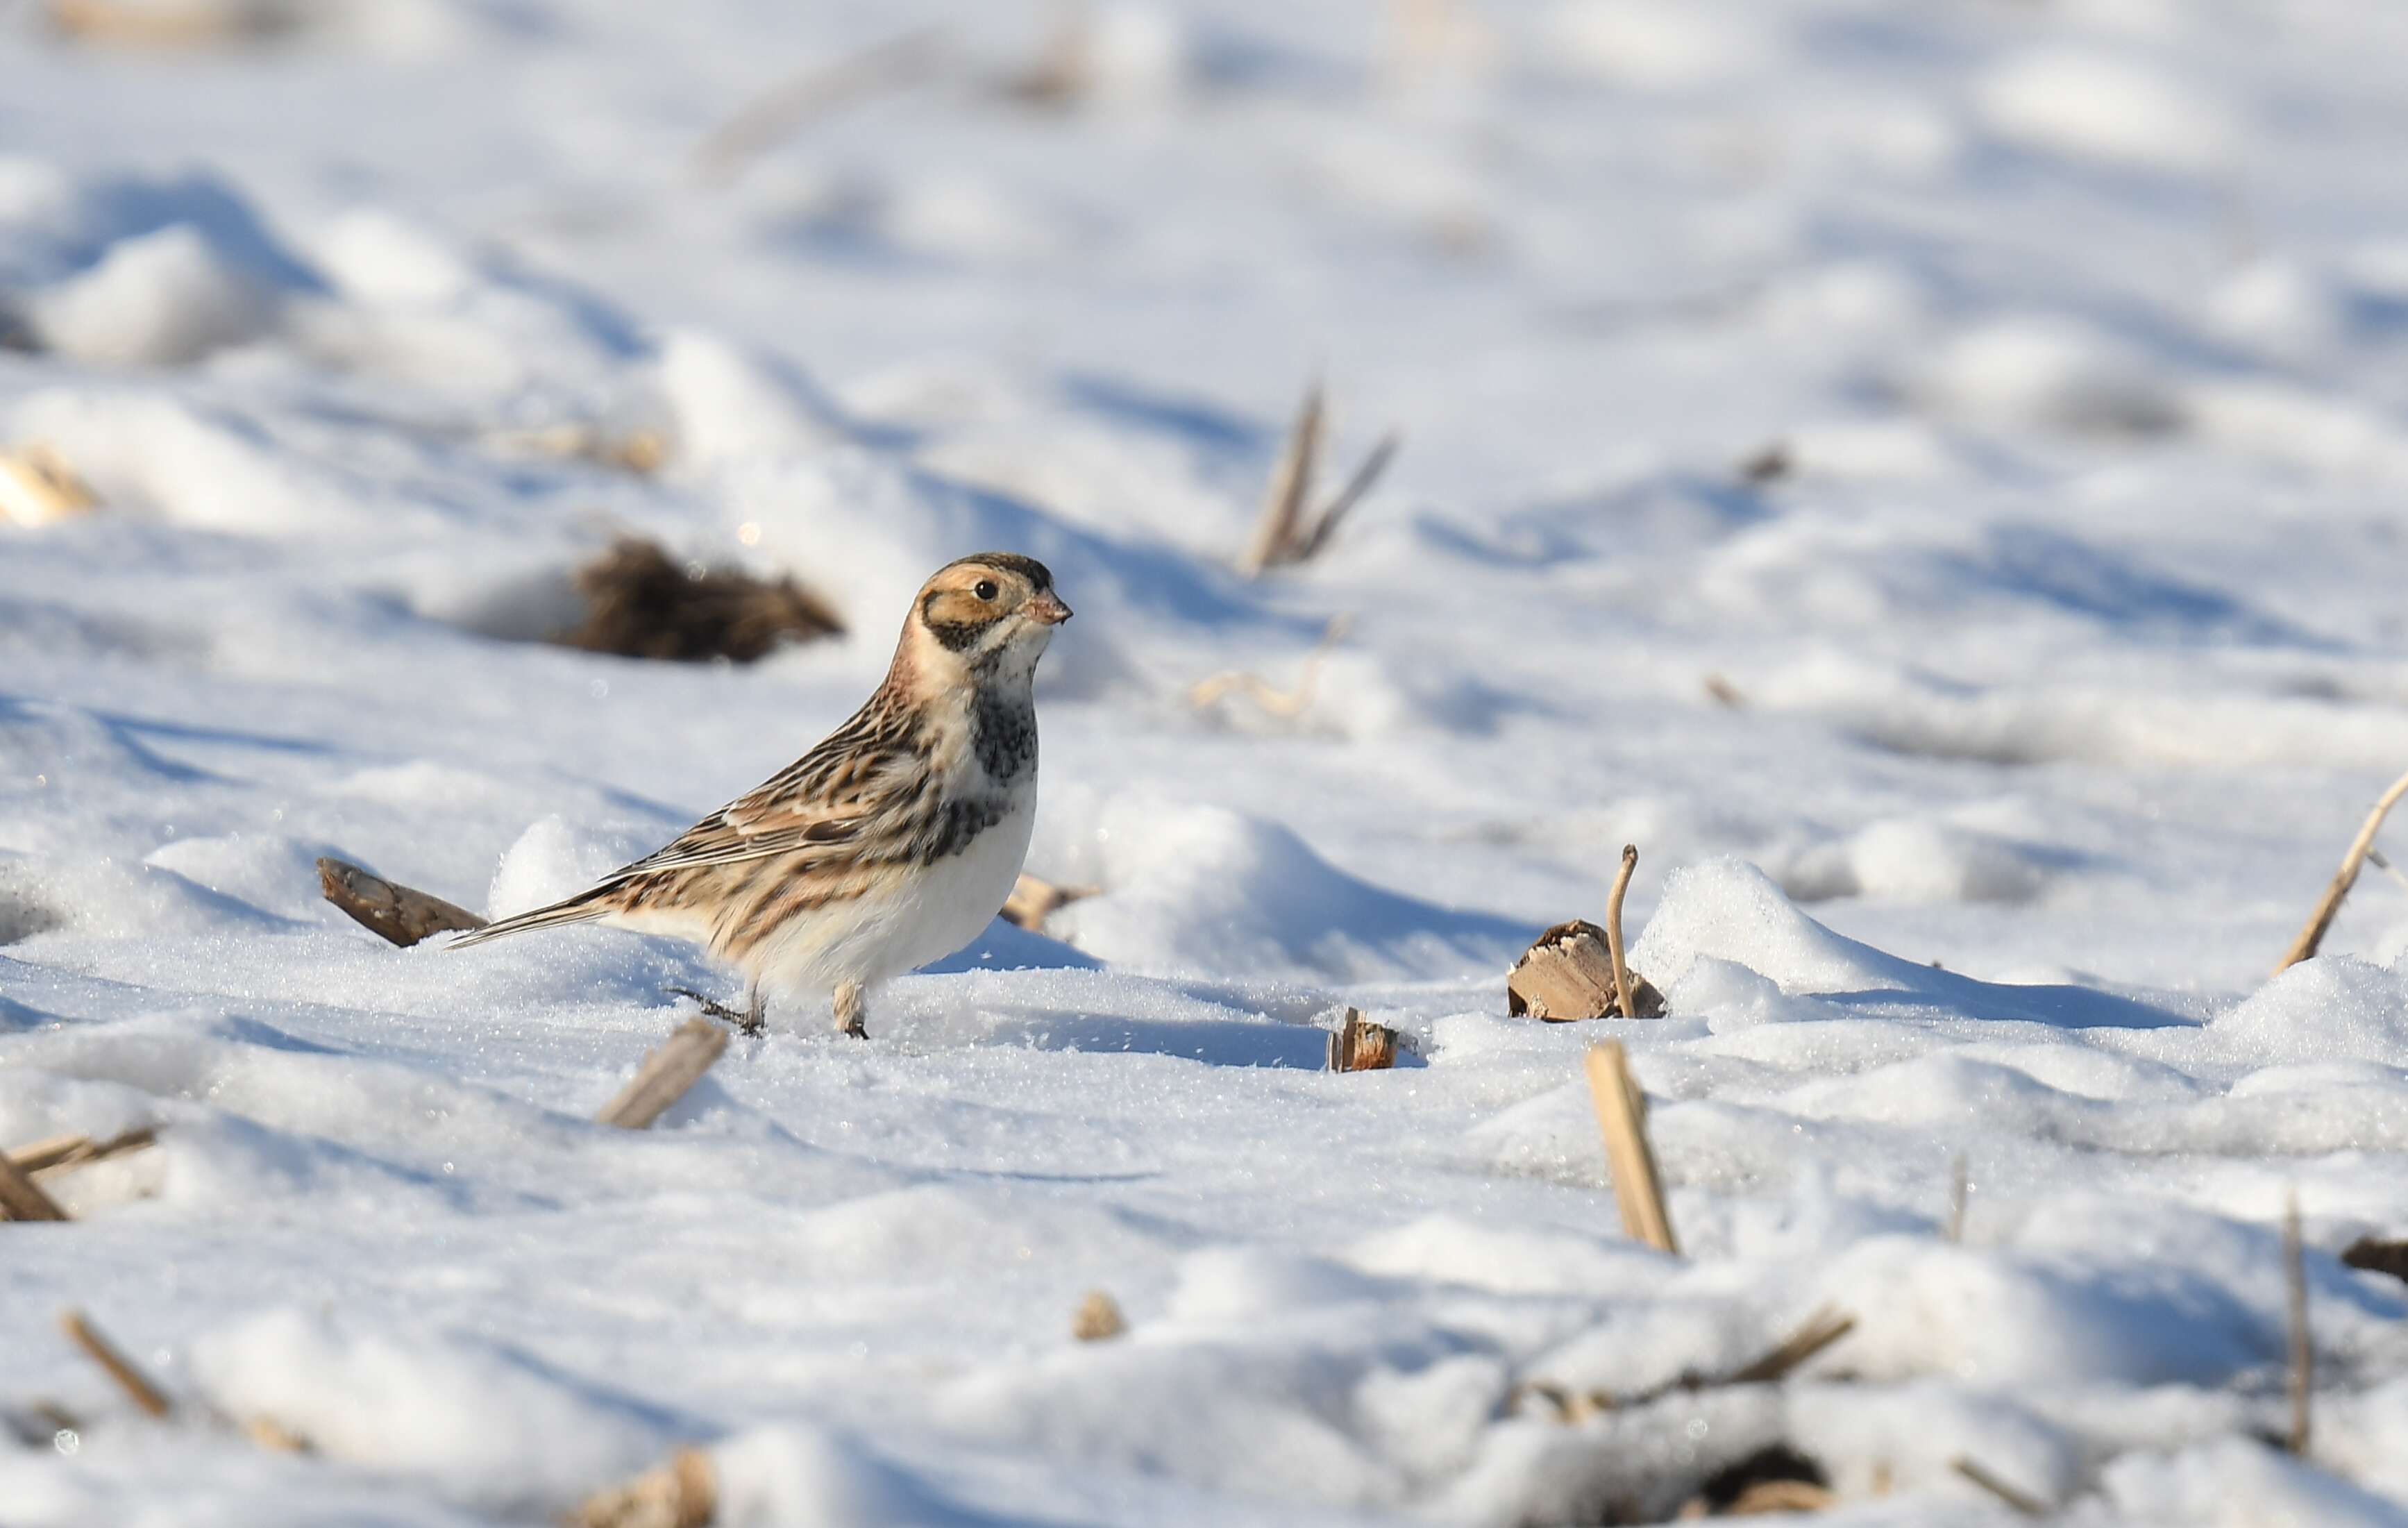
{"points": [[642, 603], [37, 488]]}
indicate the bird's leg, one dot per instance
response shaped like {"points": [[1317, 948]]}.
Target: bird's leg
{"points": [[850, 1009], [750, 1020]]}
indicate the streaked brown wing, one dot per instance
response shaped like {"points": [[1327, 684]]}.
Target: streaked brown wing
{"points": [[824, 800]]}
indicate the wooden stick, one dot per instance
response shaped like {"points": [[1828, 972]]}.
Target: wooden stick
{"points": [[23, 1198], [1614, 929], [63, 1151], [2304, 947], [676, 1065], [132, 1382], [682, 1493], [1822, 1329], [1291, 486], [2303, 1356], [2022, 1501], [1622, 1117], [398, 914]]}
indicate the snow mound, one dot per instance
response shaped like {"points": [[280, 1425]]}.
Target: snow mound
{"points": [[1730, 911], [2330, 1009], [797, 1474], [2107, 108], [1191, 887], [159, 299], [495, 1427]]}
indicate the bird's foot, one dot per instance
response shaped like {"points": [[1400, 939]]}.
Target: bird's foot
{"points": [[748, 1021], [852, 1008]]}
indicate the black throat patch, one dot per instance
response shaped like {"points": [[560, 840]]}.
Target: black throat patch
{"points": [[1003, 734]]}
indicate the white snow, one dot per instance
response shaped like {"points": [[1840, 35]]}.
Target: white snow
{"points": [[1983, 756]]}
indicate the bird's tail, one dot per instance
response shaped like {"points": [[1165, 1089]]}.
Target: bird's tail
{"points": [[582, 908]]}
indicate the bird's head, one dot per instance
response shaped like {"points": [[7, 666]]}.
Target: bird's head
{"points": [[991, 613]]}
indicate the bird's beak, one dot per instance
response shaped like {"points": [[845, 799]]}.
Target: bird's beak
{"points": [[1047, 611]]}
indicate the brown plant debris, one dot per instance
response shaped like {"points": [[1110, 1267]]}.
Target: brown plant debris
{"points": [[1724, 693], [137, 1386], [643, 452], [38, 486], [1774, 1479], [1098, 1318], [1357, 1045], [396, 912], [642, 603], [1820, 1332], [1285, 532], [2320, 919], [1768, 464], [1277, 702], [682, 1493], [1034, 899], [22, 1198], [2378, 1255], [677, 1064], [174, 23], [1567, 974], [61, 1152], [1630, 1157]]}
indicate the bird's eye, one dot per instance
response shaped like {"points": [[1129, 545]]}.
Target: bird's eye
{"points": [[986, 589]]}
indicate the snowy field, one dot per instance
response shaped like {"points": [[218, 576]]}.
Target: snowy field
{"points": [[1984, 748]]}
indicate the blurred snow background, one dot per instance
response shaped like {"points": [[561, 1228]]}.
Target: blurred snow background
{"points": [[2054, 640]]}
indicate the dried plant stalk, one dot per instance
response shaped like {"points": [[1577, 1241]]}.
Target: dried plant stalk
{"points": [[2313, 934], [676, 1065], [775, 112], [1630, 1159], [1357, 1045], [65, 1151], [1627, 1008], [2022, 1502], [1098, 1318], [396, 911], [1822, 1329], [2304, 1353], [132, 1382], [1278, 702], [23, 1198], [1034, 899], [1366, 478], [1291, 486], [682, 1493], [37, 487]]}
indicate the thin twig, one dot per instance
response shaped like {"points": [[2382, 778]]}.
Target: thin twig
{"points": [[1630, 1160], [2304, 947], [1614, 929], [1291, 486], [2303, 1356], [1366, 478], [132, 1382], [2022, 1501], [676, 1065], [1822, 1329], [23, 1198], [1284, 703]]}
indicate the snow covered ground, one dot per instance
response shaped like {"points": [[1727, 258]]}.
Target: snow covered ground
{"points": [[1982, 761]]}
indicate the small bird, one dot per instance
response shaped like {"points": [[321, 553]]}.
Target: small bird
{"points": [[890, 845]]}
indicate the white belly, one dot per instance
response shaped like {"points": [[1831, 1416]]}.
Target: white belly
{"points": [[925, 918]]}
